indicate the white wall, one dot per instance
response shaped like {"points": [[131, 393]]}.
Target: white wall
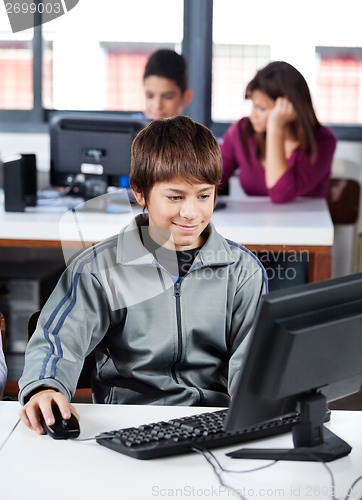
{"points": [[23, 143], [350, 151], [14, 143]]}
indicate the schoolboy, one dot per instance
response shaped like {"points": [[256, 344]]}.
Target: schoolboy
{"points": [[165, 83], [167, 304]]}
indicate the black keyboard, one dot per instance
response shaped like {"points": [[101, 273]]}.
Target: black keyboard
{"points": [[180, 435]]}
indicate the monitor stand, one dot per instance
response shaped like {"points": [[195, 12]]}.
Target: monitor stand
{"points": [[313, 442]]}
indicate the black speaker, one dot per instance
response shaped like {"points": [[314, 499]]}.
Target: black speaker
{"points": [[20, 182], [29, 161]]}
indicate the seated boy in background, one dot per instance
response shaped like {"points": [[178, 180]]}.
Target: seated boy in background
{"points": [[167, 304], [165, 82]]}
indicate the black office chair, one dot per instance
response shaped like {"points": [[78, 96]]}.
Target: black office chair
{"points": [[84, 386], [343, 201]]}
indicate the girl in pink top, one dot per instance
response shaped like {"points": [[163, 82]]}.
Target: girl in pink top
{"points": [[281, 150]]}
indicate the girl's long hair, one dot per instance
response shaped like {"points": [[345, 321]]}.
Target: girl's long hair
{"points": [[281, 79]]}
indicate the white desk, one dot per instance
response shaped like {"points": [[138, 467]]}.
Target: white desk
{"points": [[39, 467], [257, 223], [7, 421]]}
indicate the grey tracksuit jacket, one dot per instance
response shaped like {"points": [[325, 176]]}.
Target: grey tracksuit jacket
{"points": [[157, 340]]}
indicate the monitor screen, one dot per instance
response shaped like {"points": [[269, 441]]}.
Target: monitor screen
{"points": [[305, 350], [91, 151]]}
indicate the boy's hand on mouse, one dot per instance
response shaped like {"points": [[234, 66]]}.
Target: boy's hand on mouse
{"points": [[41, 404]]}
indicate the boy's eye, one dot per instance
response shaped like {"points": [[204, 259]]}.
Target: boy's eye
{"points": [[178, 197]]}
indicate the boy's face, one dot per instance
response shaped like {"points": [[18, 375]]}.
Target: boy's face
{"points": [[179, 212], [163, 98]]}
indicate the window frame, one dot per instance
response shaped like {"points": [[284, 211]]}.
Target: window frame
{"points": [[197, 33]]}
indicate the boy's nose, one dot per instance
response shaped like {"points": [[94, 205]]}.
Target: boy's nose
{"points": [[158, 104], [189, 210]]}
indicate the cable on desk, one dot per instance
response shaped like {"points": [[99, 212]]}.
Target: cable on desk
{"points": [[10, 433], [333, 483], [219, 469], [85, 439]]}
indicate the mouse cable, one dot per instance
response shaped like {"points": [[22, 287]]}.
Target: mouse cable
{"points": [[219, 469], [10, 433]]}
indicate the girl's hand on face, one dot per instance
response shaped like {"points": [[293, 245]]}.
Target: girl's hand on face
{"points": [[282, 113]]}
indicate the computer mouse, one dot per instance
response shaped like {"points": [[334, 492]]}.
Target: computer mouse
{"points": [[62, 428]]}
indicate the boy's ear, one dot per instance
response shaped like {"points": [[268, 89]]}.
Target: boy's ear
{"points": [[139, 197], [188, 95]]}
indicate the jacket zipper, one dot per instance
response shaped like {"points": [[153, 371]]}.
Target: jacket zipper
{"points": [[177, 294]]}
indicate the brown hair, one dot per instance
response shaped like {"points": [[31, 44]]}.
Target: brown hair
{"points": [[281, 79], [172, 147], [168, 64]]}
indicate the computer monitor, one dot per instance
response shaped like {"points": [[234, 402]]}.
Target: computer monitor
{"points": [[305, 350], [90, 152]]}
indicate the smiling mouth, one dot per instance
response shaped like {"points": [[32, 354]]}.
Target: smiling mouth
{"points": [[186, 228]]}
